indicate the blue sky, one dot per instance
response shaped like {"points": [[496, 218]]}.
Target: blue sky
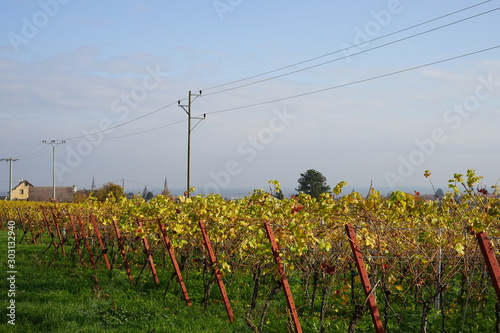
{"points": [[71, 68]]}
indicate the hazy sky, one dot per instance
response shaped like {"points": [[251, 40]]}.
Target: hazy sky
{"points": [[292, 98]]}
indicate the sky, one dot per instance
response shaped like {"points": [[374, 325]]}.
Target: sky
{"points": [[368, 92]]}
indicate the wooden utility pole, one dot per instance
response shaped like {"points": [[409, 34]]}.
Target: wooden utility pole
{"points": [[187, 109], [54, 143], [10, 160]]}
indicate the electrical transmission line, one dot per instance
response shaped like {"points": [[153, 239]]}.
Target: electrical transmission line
{"points": [[307, 68], [316, 91], [356, 82], [347, 56]]}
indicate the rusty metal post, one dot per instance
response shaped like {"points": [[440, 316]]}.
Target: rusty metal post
{"points": [[56, 223], [75, 234], [49, 229], [491, 260], [365, 281], [122, 250], [29, 224], [86, 242], [218, 276], [174, 263], [101, 243], [149, 255], [284, 280]]}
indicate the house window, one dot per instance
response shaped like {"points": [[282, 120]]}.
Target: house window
{"points": [[21, 191]]}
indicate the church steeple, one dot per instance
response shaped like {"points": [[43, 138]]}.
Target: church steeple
{"points": [[165, 191], [165, 185], [93, 188]]}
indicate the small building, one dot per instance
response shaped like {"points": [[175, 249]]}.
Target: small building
{"points": [[22, 190], [28, 192]]}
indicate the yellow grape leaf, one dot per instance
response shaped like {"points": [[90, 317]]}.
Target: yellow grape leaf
{"points": [[178, 228], [399, 287], [459, 247], [391, 279], [324, 245], [226, 267], [370, 242]]}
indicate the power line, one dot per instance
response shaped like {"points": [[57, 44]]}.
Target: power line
{"points": [[347, 56], [125, 123], [37, 153], [311, 92], [304, 94], [307, 68], [341, 50], [356, 82], [135, 133], [29, 150]]}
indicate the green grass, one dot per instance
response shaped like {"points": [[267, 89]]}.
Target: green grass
{"points": [[55, 294]]}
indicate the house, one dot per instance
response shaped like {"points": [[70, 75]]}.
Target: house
{"points": [[27, 191], [21, 191]]}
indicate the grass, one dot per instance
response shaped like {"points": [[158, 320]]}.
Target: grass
{"points": [[56, 294]]}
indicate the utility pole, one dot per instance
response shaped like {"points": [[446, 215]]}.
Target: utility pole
{"points": [[10, 160], [187, 109], [54, 143]]}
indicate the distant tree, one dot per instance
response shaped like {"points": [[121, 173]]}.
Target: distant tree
{"points": [[312, 182], [109, 190], [149, 196], [81, 196], [439, 193]]}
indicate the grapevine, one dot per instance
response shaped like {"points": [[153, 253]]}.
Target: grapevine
{"points": [[416, 250]]}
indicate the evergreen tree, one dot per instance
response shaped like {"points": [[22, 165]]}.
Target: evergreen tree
{"points": [[312, 182]]}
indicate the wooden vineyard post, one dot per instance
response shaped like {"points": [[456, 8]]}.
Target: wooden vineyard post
{"points": [[491, 260], [49, 229], [86, 241], [56, 223], [174, 263], [122, 250], [284, 280], [75, 235], [365, 281], [149, 255], [101, 243], [218, 276]]}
